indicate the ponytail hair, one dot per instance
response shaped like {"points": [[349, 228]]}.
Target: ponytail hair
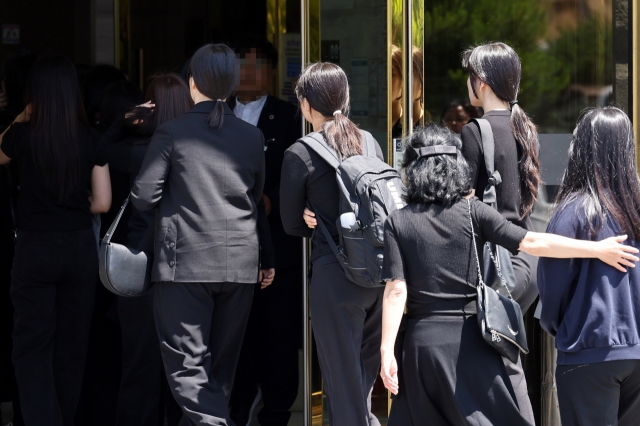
{"points": [[325, 86], [214, 70], [498, 66]]}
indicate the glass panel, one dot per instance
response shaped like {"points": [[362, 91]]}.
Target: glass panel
{"points": [[353, 35], [575, 54]]}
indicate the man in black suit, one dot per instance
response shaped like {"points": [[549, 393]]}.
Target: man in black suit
{"points": [[269, 356]]}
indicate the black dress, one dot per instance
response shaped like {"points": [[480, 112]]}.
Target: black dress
{"points": [[448, 375]]}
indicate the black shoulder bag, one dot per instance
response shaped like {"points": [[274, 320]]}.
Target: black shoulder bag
{"points": [[499, 317], [123, 270], [492, 252]]}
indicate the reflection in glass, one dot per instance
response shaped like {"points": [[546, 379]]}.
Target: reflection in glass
{"points": [[420, 116], [458, 113], [566, 51]]}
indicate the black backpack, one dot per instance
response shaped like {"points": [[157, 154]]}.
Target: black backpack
{"points": [[370, 190]]}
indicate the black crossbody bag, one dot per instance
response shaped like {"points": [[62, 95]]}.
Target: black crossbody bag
{"points": [[499, 317]]}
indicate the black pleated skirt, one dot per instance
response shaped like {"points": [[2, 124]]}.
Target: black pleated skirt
{"points": [[450, 376]]}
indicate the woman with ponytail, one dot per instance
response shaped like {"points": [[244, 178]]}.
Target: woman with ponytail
{"points": [[346, 317], [204, 173], [494, 81]]}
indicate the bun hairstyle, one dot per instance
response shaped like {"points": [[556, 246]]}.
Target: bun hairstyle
{"points": [[601, 173], [498, 66], [325, 86], [435, 178], [214, 70]]}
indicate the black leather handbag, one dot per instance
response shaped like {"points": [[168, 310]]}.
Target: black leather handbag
{"points": [[499, 317], [123, 270]]}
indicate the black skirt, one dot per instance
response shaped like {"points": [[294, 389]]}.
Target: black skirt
{"points": [[449, 376]]}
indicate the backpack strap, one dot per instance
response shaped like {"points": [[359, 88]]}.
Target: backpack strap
{"points": [[316, 142], [488, 149], [369, 145]]}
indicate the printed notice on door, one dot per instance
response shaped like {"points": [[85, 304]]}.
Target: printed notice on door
{"points": [[10, 34]]}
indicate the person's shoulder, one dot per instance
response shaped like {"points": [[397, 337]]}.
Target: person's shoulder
{"points": [[569, 218], [18, 129], [471, 138], [285, 107]]}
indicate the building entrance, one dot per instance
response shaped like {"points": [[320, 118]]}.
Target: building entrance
{"points": [[402, 58]]}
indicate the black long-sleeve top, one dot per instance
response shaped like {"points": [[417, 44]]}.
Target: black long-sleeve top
{"points": [[507, 156], [307, 177]]}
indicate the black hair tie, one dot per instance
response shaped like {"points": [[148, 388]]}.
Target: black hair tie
{"points": [[512, 103]]}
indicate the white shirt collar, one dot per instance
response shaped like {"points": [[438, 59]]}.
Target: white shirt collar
{"points": [[250, 112]]}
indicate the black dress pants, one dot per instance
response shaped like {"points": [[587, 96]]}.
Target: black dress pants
{"points": [[269, 353], [52, 289], [347, 326], [200, 327], [599, 394], [144, 396]]}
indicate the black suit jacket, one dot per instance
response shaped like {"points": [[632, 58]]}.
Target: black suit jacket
{"points": [[281, 125], [207, 184]]}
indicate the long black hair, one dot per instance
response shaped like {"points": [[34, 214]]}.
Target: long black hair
{"points": [[170, 95], [215, 72], [442, 179], [498, 66], [325, 86], [601, 172], [56, 110]]}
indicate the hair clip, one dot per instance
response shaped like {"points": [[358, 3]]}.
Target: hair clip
{"points": [[429, 151]]}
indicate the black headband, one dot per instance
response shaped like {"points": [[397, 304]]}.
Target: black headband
{"points": [[428, 151]]}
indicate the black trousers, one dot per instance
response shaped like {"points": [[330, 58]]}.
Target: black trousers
{"points": [[144, 394], [52, 289], [347, 326], [269, 355], [599, 394], [200, 327]]}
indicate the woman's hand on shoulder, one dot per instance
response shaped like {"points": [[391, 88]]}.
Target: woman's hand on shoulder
{"points": [[614, 253], [389, 372], [309, 218]]}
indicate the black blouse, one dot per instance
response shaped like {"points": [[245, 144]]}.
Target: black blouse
{"points": [[429, 246], [507, 157], [38, 207]]}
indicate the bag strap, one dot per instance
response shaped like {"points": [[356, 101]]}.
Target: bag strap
{"points": [[316, 142], [493, 258], [325, 232], [369, 145], [488, 150], [114, 224]]}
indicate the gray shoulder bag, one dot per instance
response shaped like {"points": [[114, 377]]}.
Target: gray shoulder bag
{"points": [[123, 270], [499, 317]]}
